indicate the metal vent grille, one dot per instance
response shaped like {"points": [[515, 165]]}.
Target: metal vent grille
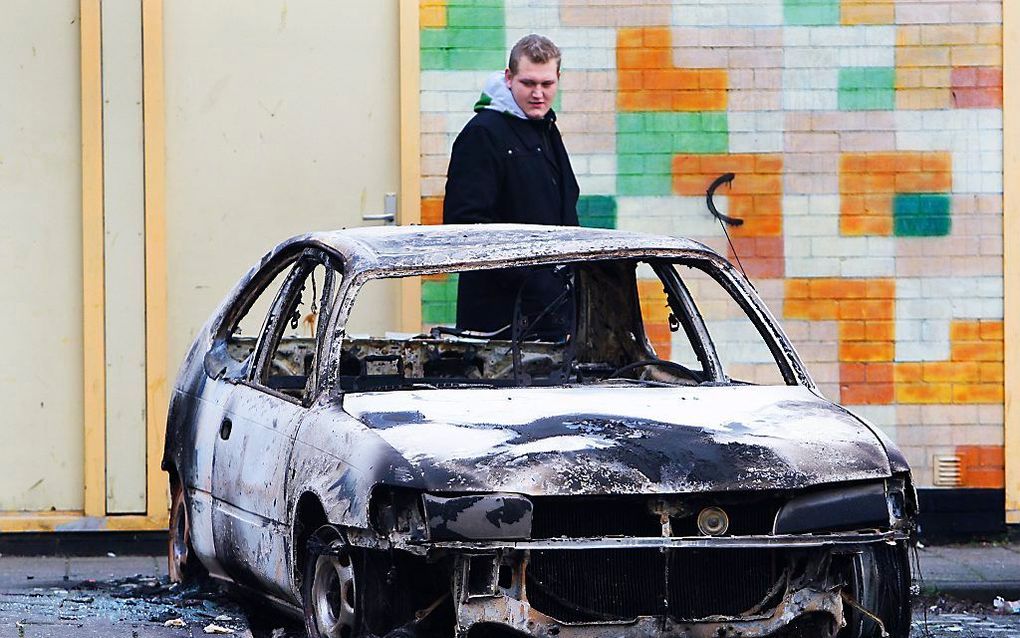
{"points": [[947, 470]]}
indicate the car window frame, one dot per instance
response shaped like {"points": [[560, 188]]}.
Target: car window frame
{"points": [[690, 318], [273, 326], [743, 293], [218, 362]]}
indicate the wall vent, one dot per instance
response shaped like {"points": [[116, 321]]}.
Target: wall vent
{"points": [[947, 470]]}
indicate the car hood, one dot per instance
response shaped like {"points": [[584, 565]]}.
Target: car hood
{"points": [[598, 440]]}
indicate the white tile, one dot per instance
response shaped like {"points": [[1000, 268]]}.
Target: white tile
{"points": [[812, 267], [810, 100], [755, 142], [684, 215], [867, 267]]}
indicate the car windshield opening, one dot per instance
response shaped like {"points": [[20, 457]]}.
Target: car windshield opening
{"points": [[606, 321]]}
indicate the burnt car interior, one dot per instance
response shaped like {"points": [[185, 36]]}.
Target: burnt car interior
{"points": [[606, 340]]}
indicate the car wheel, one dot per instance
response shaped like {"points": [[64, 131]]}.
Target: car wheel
{"points": [[881, 584], [328, 593], [182, 564]]}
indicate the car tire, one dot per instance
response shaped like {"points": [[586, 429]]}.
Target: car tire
{"points": [[883, 588], [328, 592], [182, 564]]}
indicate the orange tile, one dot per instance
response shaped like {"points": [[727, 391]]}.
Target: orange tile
{"points": [[866, 394], [908, 372], [976, 351], [765, 164], [630, 38], [900, 162], [853, 373], [880, 331], [738, 163], [853, 162], [950, 371], [991, 372], [657, 37], [797, 288], [984, 478], [880, 372], [965, 331], [858, 225], [978, 393], [814, 309], [924, 393], [991, 330], [432, 210], [851, 331], [923, 182], [830, 288], [629, 80], [866, 309], [881, 288], [432, 14], [867, 351], [867, 12]]}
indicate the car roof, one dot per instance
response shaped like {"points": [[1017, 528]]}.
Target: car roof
{"points": [[424, 247]]}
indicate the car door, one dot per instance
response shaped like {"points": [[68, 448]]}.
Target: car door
{"points": [[253, 446]]}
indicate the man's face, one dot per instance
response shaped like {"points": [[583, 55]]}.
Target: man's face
{"points": [[534, 86]]}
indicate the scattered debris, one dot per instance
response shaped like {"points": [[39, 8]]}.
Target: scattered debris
{"points": [[279, 632], [213, 628], [175, 622], [84, 600], [223, 618], [1006, 606]]}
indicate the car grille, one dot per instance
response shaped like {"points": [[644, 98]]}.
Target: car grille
{"points": [[617, 585], [574, 517]]}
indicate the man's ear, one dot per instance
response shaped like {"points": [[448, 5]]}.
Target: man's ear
{"points": [[508, 76]]}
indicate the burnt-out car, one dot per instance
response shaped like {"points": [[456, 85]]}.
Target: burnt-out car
{"points": [[656, 461]]}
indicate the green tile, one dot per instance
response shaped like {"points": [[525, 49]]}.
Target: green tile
{"points": [[434, 59], [597, 211], [811, 12], [476, 38], [630, 164], [867, 77], [921, 215], [644, 184], [475, 13], [475, 60], [647, 141], [867, 88], [435, 38]]}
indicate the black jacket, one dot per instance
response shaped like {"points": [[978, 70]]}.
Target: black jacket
{"points": [[505, 169]]}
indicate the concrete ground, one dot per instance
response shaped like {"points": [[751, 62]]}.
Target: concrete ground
{"points": [[129, 596]]}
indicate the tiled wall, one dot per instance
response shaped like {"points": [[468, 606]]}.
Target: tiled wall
{"points": [[866, 137]]}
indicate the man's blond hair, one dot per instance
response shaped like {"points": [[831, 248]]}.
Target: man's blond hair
{"points": [[539, 50]]}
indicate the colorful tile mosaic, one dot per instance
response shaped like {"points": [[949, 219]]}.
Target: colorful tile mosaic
{"points": [[866, 140]]}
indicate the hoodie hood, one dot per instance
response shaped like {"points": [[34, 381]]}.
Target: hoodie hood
{"points": [[496, 96], [620, 440]]}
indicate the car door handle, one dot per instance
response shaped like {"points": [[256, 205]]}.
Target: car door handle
{"points": [[225, 428]]}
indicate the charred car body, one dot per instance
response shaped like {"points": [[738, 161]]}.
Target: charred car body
{"points": [[453, 482]]}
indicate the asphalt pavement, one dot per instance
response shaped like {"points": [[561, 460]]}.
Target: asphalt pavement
{"points": [[113, 596]]}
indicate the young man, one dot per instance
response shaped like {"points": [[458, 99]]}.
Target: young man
{"points": [[509, 165]]}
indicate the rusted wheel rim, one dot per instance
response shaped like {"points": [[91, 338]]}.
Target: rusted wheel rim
{"points": [[178, 538], [333, 595]]}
